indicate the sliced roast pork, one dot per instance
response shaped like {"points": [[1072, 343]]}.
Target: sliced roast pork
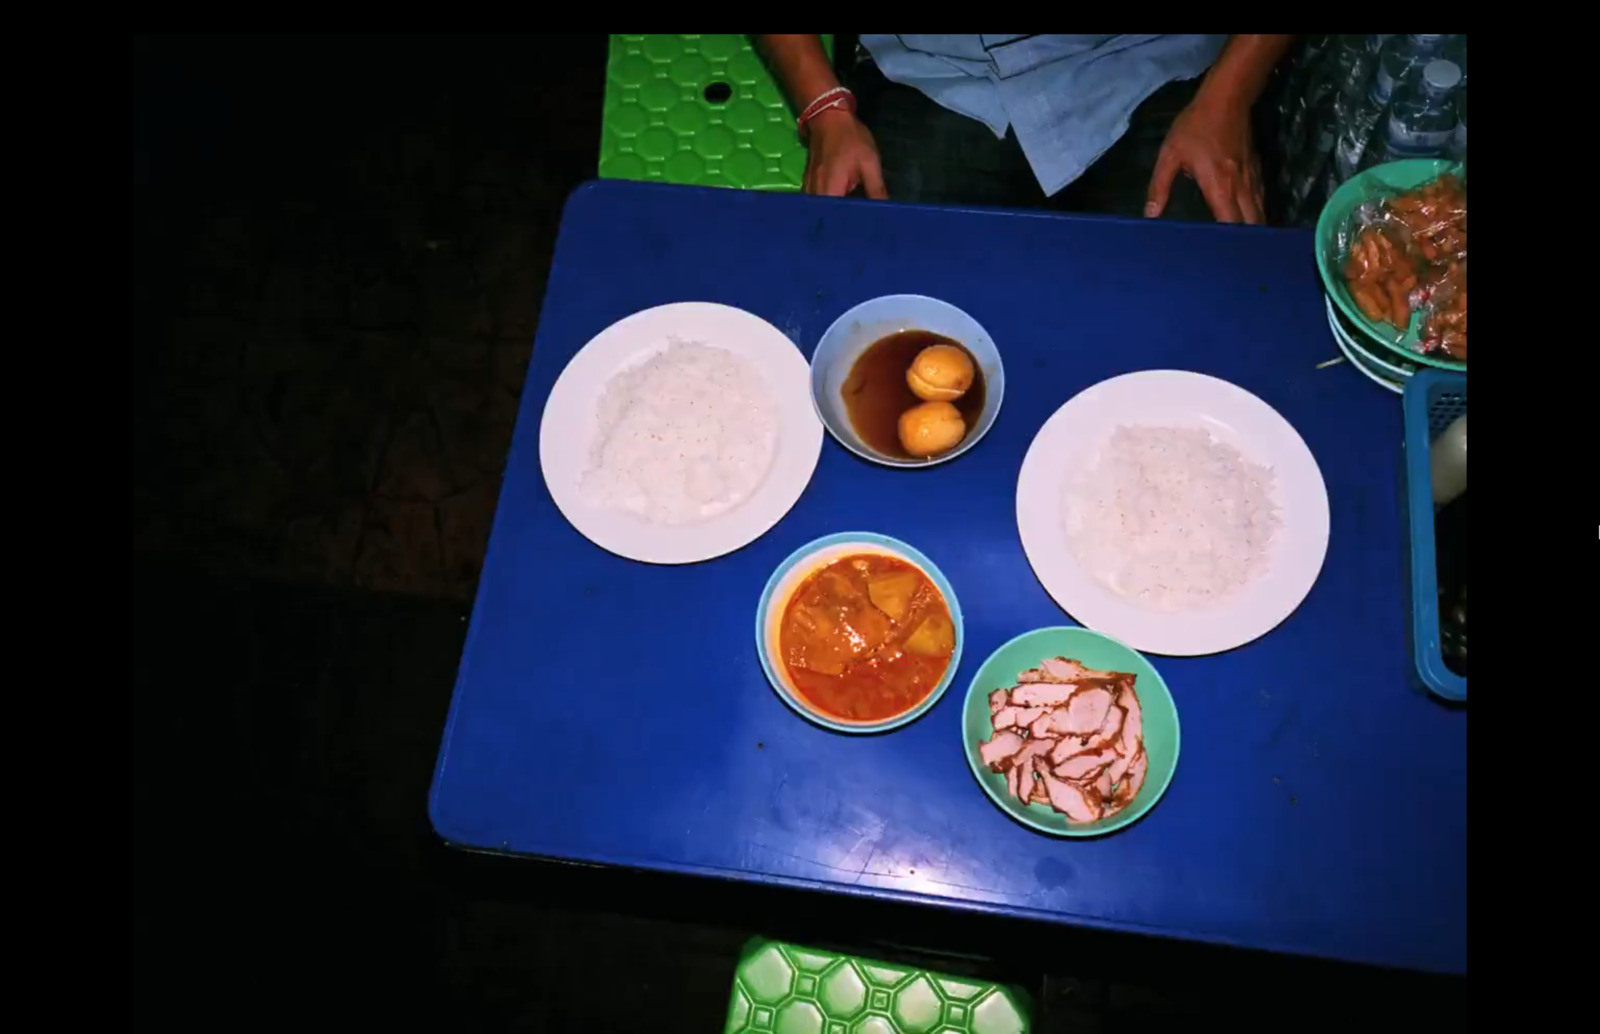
{"points": [[1053, 723], [1041, 694], [994, 751], [1134, 782], [1026, 716], [1034, 749], [1130, 785], [1025, 781], [1066, 748], [1100, 739], [1029, 753], [1132, 738], [1082, 766], [1070, 737], [1082, 716], [1032, 789], [1069, 799], [1011, 716], [1118, 767], [1106, 735], [1089, 709], [1060, 669]]}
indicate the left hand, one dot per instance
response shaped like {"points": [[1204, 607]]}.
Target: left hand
{"points": [[1211, 141]]}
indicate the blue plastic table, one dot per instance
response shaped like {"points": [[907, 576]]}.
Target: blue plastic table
{"points": [[614, 712]]}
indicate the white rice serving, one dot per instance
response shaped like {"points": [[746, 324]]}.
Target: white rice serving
{"points": [[684, 436], [1170, 518]]}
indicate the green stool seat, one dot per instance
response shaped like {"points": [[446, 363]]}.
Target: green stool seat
{"points": [[787, 989], [697, 109]]}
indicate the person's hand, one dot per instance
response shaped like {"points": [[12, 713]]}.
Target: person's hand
{"points": [[1211, 141], [841, 156]]}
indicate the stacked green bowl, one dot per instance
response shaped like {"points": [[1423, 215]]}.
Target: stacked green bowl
{"points": [[1375, 348]]}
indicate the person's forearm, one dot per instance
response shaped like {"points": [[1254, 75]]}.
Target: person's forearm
{"points": [[1243, 68], [801, 65]]}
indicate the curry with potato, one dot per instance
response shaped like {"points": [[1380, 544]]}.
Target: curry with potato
{"points": [[866, 637]]}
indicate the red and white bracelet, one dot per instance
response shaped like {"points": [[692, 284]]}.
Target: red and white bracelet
{"points": [[827, 100]]}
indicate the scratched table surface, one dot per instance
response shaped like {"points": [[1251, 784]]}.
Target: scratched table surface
{"points": [[613, 712]]}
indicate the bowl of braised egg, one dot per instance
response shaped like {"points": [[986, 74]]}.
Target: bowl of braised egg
{"points": [[907, 381]]}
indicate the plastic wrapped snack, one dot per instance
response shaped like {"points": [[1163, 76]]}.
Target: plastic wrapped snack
{"points": [[1408, 252], [1434, 216], [1444, 325], [1381, 270]]}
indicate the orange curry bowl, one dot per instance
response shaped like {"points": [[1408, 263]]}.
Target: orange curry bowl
{"points": [[859, 632]]}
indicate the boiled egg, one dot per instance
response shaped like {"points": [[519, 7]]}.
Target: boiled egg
{"points": [[940, 373], [931, 428]]}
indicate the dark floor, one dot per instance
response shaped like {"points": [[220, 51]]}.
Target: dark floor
{"points": [[339, 255]]}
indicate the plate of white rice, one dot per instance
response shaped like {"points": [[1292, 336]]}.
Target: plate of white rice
{"points": [[680, 433], [1174, 511]]}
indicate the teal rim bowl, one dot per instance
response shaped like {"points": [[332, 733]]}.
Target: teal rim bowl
{"points": [[1379, 181], [787, 578], [1392, 365], [843, 342], [1161, 730], [1387, 371]]}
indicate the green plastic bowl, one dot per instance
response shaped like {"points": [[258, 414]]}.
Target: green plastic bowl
{"points": [[1096, 651], [1378, 181], [1379, 371]]}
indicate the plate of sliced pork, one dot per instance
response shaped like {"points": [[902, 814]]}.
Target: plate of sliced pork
{"points": [[1070, 732]]}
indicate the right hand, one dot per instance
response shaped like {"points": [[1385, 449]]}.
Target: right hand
{"points": [[841, 156]]}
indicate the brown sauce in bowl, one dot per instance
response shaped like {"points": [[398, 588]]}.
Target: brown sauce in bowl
{"points": [[876, 392]]}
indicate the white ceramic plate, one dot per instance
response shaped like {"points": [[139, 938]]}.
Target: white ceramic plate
{"points": [[567, 430], [1070, 441]]}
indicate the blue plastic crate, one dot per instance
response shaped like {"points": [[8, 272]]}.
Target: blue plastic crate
{"points": [[1433, 399]]}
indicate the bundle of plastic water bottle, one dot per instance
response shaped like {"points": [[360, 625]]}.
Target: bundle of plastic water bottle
{"points": [[1345, 103]]}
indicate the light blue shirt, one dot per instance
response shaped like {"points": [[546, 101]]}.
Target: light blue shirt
{"points": [[1067, 98]]}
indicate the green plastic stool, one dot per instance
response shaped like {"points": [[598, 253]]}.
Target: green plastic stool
{"points": [[787, 989], [701, 110]]}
